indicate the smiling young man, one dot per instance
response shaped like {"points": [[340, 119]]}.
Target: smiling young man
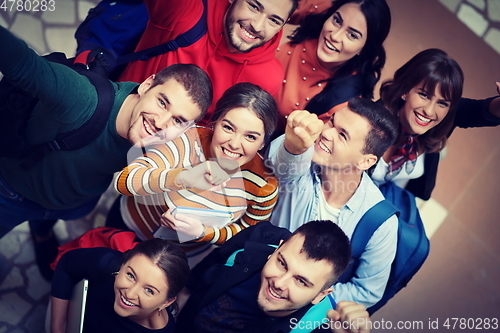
{"points": [[238, 46], [267, 289], [66, 184], [320, 168]]}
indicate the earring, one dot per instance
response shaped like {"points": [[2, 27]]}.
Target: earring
{"points": [[115, 273], [159, 311], [403, 97], [261, 147]]}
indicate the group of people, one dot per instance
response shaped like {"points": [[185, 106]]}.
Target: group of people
{"points": [[289, 142]]}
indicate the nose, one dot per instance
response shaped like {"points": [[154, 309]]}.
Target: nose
{"points": [[234, 142], [335, 35], [163, 120], [258, 23], [280, 282], [132, 292], [430, 108]]}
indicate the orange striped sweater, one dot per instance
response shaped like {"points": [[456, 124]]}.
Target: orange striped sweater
{"points": [[149, 180]]}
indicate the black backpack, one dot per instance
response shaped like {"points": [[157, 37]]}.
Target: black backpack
{"points": [[16, 106]]}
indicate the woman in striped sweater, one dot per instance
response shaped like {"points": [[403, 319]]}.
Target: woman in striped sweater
{"points": [[178, 173]]}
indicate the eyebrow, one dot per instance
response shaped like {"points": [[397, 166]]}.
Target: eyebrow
{"points": [[350, 28], [148, 285], [299, 276], [252, 132], [182, 119], [261, 7]]}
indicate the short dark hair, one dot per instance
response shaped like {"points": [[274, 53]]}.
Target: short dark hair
{"points": [[370, 61], [168, 257], [324, 240], [194, 79], [431, 67], [250, 96], [384, 127]]}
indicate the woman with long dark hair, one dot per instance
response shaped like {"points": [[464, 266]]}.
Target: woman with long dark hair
{"points": [[333, 56]]}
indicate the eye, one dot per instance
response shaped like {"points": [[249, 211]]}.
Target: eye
{"points": [[281, 263], [275, 21], [301, 282], [423, 95], [253, 6], [251, 137], [444, 104], [149, 291], [130, 276], [177, 121], [336, 20], [162, 103], [352, 35], [227, 128], [343, 136]]}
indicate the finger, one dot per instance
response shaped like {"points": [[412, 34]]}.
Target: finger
{"points": [[333, 315], [304, 136], [498, 88]]}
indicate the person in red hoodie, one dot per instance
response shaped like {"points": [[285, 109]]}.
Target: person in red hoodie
{"points": [[239, 46]]}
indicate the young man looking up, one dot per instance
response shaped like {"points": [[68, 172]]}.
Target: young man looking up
{"points": [[320, 168], [267, 289], [238, 46], [66, 184]]}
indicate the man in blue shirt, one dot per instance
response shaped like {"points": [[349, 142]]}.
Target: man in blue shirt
{"points": [[321, 172]]}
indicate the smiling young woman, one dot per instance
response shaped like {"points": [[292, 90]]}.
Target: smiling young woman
{"points": [[129, 292], [424, 95], [333, 56]]}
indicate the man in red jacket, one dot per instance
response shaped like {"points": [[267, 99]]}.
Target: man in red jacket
{"points": [[239, 45]]}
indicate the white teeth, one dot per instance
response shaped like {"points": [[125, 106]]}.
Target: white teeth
{"points": [[127, 302], [148, 128], [271, 291], [330, 46], [231, 154], [422, 118], [247, 34], [324, 147]]}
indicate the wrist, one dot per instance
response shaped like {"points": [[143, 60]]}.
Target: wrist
{"points": [[203, 233], [179, 181]]}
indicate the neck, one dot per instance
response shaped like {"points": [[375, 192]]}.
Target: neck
{"points": [[339, 185], [155, 321]]}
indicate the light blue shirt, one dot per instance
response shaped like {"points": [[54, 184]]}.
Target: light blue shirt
{"points": [[298, 201]]}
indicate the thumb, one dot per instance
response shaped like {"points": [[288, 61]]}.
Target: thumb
{"points": [[333, 315]]}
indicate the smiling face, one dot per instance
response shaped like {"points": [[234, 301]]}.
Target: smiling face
{"points": [[141, 288], [343, 36], [290, 280], [165, 110], [238, 135], [252, 23], [423, 109], [342, 141]]}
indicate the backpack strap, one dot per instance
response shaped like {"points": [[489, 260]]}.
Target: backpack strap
{"points": [[371, 221], [185, 39], [88, 132]]}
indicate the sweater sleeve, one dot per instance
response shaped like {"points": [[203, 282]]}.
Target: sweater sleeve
{"points": [[157, 169], [261, 202], [474, 113]]}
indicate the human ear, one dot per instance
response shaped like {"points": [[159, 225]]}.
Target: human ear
{"points": [[145, 85], [169, 302], [367, 162], [322, 295]]}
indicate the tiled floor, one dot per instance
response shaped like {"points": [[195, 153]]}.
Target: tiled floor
{"points": [[460, 278]]}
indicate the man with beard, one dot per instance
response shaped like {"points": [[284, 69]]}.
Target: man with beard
{"points": [[239, 45], [266, 289]]}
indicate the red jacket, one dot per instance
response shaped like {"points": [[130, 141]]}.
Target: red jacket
{"points": [[169, 18]]}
